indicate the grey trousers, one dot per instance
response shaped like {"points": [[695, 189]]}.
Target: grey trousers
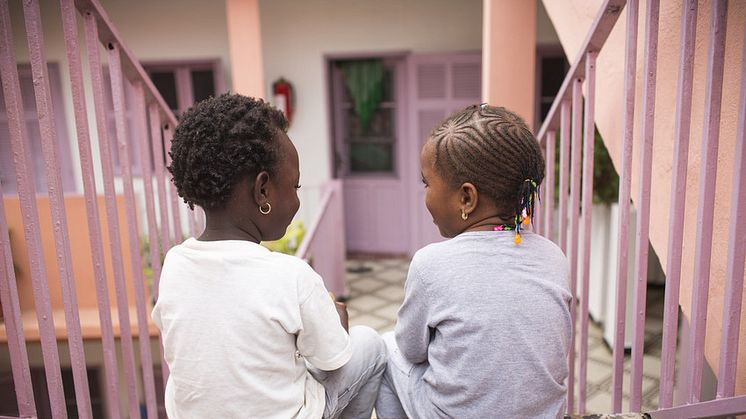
{"points": [[395, 398], [351, 390]]}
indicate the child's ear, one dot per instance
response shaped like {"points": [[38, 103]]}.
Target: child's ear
{"points": [[469, 197], [261, 182]]}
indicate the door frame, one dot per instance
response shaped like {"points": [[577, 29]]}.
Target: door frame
{"points": [[402, 159]]}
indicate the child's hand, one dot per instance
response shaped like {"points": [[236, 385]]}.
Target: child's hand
{"points": [[341, 311]]}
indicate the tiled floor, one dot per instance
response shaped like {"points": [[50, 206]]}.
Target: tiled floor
{"points": [[376, 289]]}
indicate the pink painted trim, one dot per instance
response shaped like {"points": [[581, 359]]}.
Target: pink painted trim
{"points": [[625, 181], [310, 236], [168, 134], [564, 169], [643, 204], [42, 93], [549, 185], [585, 256], [150, 201], [29, 212], [89, 190], [678, 201], [112, 215], [725, 407], [600, 29], [736, 255], [12, 318], [48, 131], [146, 358], [577, 140], [160, 177], [155, 248], [324, 243], [117, 89], [706, 203]]}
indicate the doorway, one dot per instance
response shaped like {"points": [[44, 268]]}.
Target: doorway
{"points": [[369, 128], [376, 149]]}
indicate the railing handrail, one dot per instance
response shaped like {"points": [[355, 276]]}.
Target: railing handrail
{"points": [[308, 238], [131, 66]]}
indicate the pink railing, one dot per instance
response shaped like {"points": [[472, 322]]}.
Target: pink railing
{"points": [[568, 107], [323, 246], [153, 128]]}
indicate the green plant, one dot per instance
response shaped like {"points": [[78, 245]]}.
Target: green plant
{"points": [[290, 242], [605, 177], [148, 265]]}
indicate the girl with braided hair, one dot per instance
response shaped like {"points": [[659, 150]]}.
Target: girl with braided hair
{"points": [[250, 333], [484, 330]]}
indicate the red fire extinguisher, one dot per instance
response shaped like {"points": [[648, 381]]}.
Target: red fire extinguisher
{"points": [[284, 97]]}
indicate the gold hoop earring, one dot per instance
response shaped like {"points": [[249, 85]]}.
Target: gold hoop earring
{"points": [[263, 211], [464, 215]]}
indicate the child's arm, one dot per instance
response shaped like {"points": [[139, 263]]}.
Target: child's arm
{"points": [[341, 311], [323, 339], [412, 330]]}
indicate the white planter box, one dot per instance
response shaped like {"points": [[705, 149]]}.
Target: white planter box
{"points": [[603, 270]]}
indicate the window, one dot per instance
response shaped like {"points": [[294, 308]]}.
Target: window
{"points": [[33, 135], [365, 149], [184, 83], [551, 69]]}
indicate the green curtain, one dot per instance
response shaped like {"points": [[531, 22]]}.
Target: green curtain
{"points": [[364, 80]]}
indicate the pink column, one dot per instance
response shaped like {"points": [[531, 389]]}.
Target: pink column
{"points": [[89, 188], [12, 318], [643, 204], [678, 202], [549, 185], [625, 181], [143, 314], [112, 215], [156, 140], [48, 130], [509, 30], [245, 42], [168, 133], [585, 256], [564, 170], [123, 139], [160, 176], [736, 249], [706, 204], [27, 197], [573, 212]]}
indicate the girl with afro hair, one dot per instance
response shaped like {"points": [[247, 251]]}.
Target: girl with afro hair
{"points": [[247, 332]]}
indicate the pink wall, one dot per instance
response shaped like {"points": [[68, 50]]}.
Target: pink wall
{"points": [[509, 55], [245, 40], [571, 19]]}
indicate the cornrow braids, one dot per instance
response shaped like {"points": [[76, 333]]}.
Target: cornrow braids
{"points": [[492, 148], [220, 139]]}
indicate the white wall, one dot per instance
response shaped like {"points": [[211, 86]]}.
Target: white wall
{"points": [[296, 35]]}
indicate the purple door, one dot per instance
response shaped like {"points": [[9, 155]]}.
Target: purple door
{"points": [[380, 165], [441, 84], [370, 159]]}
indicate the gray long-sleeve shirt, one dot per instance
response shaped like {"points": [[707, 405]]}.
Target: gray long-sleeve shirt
{"points": [[491, 320]]}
